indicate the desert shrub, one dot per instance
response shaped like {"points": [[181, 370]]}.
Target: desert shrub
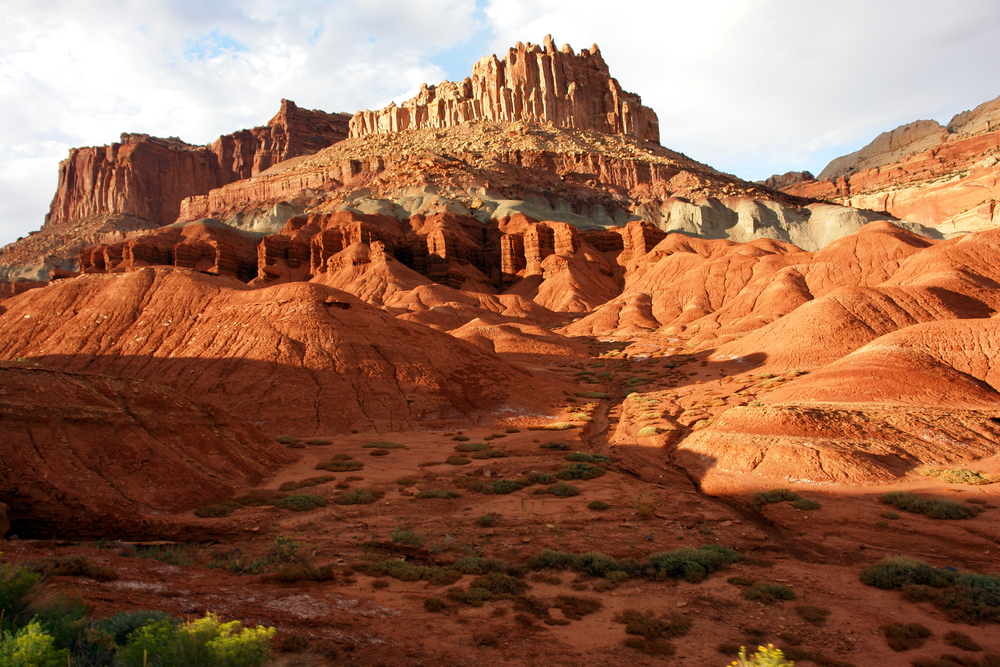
{"points": [[762, 498], [644, 504], [580, 471], [764, 656], [446, 494], [648, 431], [806, 504], [340, 465], [595, 564], [559, 426], [593, 394], [768, 593], [170, 554], [471, 447], [406, 481], [311, 481], [319, 442], [384, 444], [503, 486], [457, 460], [500, 584], [935, 508], [894, 573], [651, 627], [435, 605], [690, 564], [302, 503], [598, 505], [812, 614], [480, 565], [962, 641], [512, 430], [541, 478], [363, 496], [408, 536], [379, 452], [551, 559], [575, 607], [486, 520], [294, 574], [202, 642], [15, 585], [461, 438], [905, 636], [740, 581], [286, 440], [961, 476], [78, 566], [563, 490], [889, 514], [217, 510], [557, 446], [490, 454], [474, 597]]}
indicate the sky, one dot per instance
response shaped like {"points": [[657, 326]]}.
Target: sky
{"points": [[751, 87]]}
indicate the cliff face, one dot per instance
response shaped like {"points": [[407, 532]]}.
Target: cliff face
{"points": [[148, 177], [532, 83], [947, 177]]}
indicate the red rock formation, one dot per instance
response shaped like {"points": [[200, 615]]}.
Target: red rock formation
{"points": [[943, 177], [110, 452], [148, 177], [532, 82], [298, 358]]}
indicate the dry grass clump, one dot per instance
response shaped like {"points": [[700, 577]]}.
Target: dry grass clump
{"points": [[905, 636]]}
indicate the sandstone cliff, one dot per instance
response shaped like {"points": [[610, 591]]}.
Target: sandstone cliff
{"points": [[942, 177], [139, 183], [532, 82]]}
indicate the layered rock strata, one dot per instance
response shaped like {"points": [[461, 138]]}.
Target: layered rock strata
{"points": [[537, 83]]}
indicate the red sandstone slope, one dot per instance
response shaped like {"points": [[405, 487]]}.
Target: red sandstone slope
{"points": [[299, 358], [88, 454], [942, 177]]}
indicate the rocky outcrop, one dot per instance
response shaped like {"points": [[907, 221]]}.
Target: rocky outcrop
{"points": [[110, 453], [782, 181], [298, 358], [138, 184], [947, 178], [147, 177], [537, 83]]}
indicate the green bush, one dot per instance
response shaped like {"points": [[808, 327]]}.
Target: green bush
{"points": [[205, 642], [651, 627], [487, 520], [690, 564], [31, 647], [479, 565], [499, 584], [894, 573], [302, 503], [563, 490], [541, 478], [935, 508], [962, 641], [384, 444], [580, 471], [584, 457], [124, 623], [471, 447], [379, 452], [311, 481], [457, 460], [593, 394], [319, 442], [446, 494], [286, 440], [461, 438], [16, 583], [504, 486], [598, 505], [364, 496]]}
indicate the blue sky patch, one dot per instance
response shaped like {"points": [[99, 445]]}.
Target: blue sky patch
{"points": [[212, 45]]}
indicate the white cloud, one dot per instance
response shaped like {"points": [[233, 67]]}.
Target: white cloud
{"points": [[748, 86]]}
